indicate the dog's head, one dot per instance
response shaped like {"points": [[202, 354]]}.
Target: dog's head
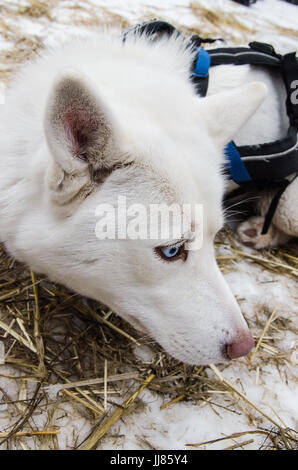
{"points": [[165, 148]]}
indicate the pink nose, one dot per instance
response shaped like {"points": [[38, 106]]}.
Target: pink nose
{"points": [[241, 346]]}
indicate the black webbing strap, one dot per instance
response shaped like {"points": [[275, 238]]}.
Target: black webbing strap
{"points": [[159, 28], [273, 206], [245, 55], [197, 40], [272, 161], [150, 28]]}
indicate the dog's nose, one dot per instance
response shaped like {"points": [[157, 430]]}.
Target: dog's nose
{"points": [[241, 346]]}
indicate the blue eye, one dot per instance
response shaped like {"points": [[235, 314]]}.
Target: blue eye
{"points": [[170, 251]]}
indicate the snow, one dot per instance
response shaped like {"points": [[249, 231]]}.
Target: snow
{"points": [[271, 388]]}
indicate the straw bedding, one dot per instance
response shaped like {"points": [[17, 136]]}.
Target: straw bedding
{"points": [[66, 352]]}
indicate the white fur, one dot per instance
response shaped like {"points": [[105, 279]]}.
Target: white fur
{"points": [[174, 143]]}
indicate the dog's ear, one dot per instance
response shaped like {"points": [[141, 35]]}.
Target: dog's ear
{"points": [[81, 135], [226, 112]]}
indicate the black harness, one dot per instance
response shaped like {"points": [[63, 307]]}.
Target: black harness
{"points": [[268, 165]]}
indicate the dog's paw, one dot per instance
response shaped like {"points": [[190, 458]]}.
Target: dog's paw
{"points": [[249, 233]]}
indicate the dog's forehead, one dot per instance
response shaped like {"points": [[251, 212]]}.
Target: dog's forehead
{"points": [[163, 183], [147, 183]]}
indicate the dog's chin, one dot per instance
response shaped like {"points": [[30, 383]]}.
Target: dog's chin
{"points": [[201, 361], [220, 358]]}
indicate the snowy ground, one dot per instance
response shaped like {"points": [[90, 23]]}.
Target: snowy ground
{"points": [[268, 384]]}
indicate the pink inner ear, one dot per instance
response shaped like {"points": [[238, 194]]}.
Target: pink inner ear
{"points": [[80, 127]]}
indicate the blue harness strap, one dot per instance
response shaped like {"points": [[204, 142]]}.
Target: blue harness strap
{"points": [[200, 74], [235, 164], [202, 64]]}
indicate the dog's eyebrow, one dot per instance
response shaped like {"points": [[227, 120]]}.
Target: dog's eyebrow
{"points": [[189, 237]]}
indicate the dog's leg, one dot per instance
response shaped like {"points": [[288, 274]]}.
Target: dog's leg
{"points": [[284, 223]]}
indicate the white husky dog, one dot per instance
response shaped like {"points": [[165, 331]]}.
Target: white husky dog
{"points": [[96, 119]]}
